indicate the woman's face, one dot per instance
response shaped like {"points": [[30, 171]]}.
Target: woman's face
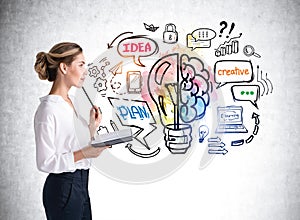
{"points": [[77, 71]]}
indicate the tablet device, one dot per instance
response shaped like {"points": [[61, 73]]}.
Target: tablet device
{"points": [[112, 138], [134, 81]]}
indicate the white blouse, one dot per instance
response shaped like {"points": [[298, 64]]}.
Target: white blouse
{"points": [[55, 136]]}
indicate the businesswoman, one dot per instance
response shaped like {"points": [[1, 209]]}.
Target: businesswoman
{"points": [[65, 193]]}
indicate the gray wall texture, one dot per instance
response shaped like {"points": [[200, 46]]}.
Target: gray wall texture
{"points": [[30, 26]]}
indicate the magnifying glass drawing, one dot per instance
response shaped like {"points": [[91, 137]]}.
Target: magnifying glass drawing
{"points": [[249, 51]]}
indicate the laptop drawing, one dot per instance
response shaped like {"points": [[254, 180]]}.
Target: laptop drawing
{"points": [[230, 120]]}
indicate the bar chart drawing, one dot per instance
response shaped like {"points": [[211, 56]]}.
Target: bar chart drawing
{"points": [[228, 47]]}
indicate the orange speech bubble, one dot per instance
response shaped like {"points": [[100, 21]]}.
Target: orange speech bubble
{"points": [[233, 71]]}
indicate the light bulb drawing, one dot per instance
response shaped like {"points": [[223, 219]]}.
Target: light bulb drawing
{"points": [[179, 86], [170, 98], [203, 132]]}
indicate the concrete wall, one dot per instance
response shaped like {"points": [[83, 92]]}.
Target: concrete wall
{"points": [[259, 182]]}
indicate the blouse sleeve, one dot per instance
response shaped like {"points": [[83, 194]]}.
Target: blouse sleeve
{"points": [[47, 158]]}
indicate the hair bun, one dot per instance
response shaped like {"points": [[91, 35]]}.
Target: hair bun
{"points": [[40, 65], [47, 64]]}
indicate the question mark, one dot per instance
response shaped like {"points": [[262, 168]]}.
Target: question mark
{"points": [[222, 29]]}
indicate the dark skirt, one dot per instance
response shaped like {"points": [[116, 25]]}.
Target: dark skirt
{"points": [[66, 196]]}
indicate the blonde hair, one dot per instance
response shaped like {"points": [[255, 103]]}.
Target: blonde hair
{"points": [[46, 64]]}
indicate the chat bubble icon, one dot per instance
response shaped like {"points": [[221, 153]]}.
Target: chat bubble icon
{"points": [[203, 34], [249, 93], [233, 71], [137, 47], [200, 38]]}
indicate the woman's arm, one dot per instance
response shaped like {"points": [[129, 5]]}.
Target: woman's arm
{"points": [[88, 152], [78, 155], [95, 119], [47, 158]]}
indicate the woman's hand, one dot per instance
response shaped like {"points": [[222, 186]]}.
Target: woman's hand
{"points": [[95, 119], [92, 152], [88, 152]]}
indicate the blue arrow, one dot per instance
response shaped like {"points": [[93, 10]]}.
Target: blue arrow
{"points": [[217, 145], [217, 139], [219, 151]]}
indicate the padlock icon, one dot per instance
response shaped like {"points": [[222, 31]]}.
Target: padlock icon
{"points": [[170, 35]]}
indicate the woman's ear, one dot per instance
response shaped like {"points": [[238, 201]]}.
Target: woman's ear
{"points": [[63, 68]]}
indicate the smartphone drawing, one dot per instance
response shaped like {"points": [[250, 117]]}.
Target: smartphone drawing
{"points": [[134, 81]]}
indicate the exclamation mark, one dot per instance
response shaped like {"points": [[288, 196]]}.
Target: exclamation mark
{"points": [[231, 28]]}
